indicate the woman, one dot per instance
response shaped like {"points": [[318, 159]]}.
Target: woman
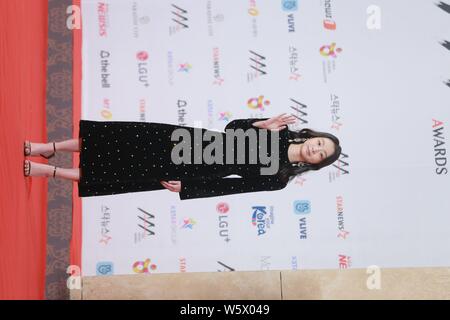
{"points": [[121, 157]]}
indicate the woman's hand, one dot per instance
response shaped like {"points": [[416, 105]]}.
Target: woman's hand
{"points": [[174, 186], [276, 123]]}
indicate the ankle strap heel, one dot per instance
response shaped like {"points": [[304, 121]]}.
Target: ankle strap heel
{"points": [[52, 155]]}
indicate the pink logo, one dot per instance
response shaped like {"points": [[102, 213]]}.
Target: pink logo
{"points": [[142, 55], [343, 234], [330, 50], [258, 103], [329, 24], [144, 266], [222, 207]]}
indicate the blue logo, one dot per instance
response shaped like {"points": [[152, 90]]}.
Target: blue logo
{"points": [[302, 207], [289, 5], [105, 268], [262, 219]]}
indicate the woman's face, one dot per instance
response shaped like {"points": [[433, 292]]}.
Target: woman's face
{"points": [[315, 150]]}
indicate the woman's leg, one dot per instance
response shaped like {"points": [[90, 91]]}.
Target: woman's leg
{"points": [[66, 173], [45, 170], [71, 145]]}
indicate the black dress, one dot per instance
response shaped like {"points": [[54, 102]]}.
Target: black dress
{"points": [[122, 156]]}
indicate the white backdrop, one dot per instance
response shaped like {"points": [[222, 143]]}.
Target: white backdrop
{"points": [[386, 202]]}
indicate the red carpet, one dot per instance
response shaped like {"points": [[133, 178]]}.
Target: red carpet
{"points": [[23, 202]]}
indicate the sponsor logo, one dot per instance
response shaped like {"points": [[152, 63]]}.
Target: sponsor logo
{"points": [[289, 5], [299, 111], [144, 266], [138, 20], [188, 223], [222, 208], [294, 73], [257, 66], [142, 109], [105, 220], [345, 261], [103, 18], [212, 18], [303, 228], [218, 80], [104, 268], [258, 103], [328, 22], [342, 233], [184, 67], [173, 225], [104, 68], [225, 116], [183, 264], [330, 53], [181, 110], [106, 112], [291, 22], [142, 63], [302, 207], [339, 168], [179, 19], [330, 50], [146, 226], [335, 110], [261, 219], [254, 13]]}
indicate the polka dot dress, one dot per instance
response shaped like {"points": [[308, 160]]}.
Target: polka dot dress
{"points": [[125, 156]]}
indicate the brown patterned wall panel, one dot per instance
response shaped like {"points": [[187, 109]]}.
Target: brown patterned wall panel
{"points": [[59, 127]]}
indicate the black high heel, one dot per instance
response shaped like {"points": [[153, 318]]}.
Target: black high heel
{"points": [[27, 170], [27, 150]]}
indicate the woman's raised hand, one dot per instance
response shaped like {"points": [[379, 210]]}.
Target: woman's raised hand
{"points": [[174, 186], [277, 123]]}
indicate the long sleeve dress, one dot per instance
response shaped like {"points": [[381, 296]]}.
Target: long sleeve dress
{"points": [[121, 156]]}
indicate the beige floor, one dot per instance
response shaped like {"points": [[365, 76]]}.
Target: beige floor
{"points": [[411, 283]]}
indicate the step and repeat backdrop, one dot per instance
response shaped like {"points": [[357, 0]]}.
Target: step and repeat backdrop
{"points": [[374, 73]]}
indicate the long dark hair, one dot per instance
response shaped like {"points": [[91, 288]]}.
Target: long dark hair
{"points": [[288, 171]]}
